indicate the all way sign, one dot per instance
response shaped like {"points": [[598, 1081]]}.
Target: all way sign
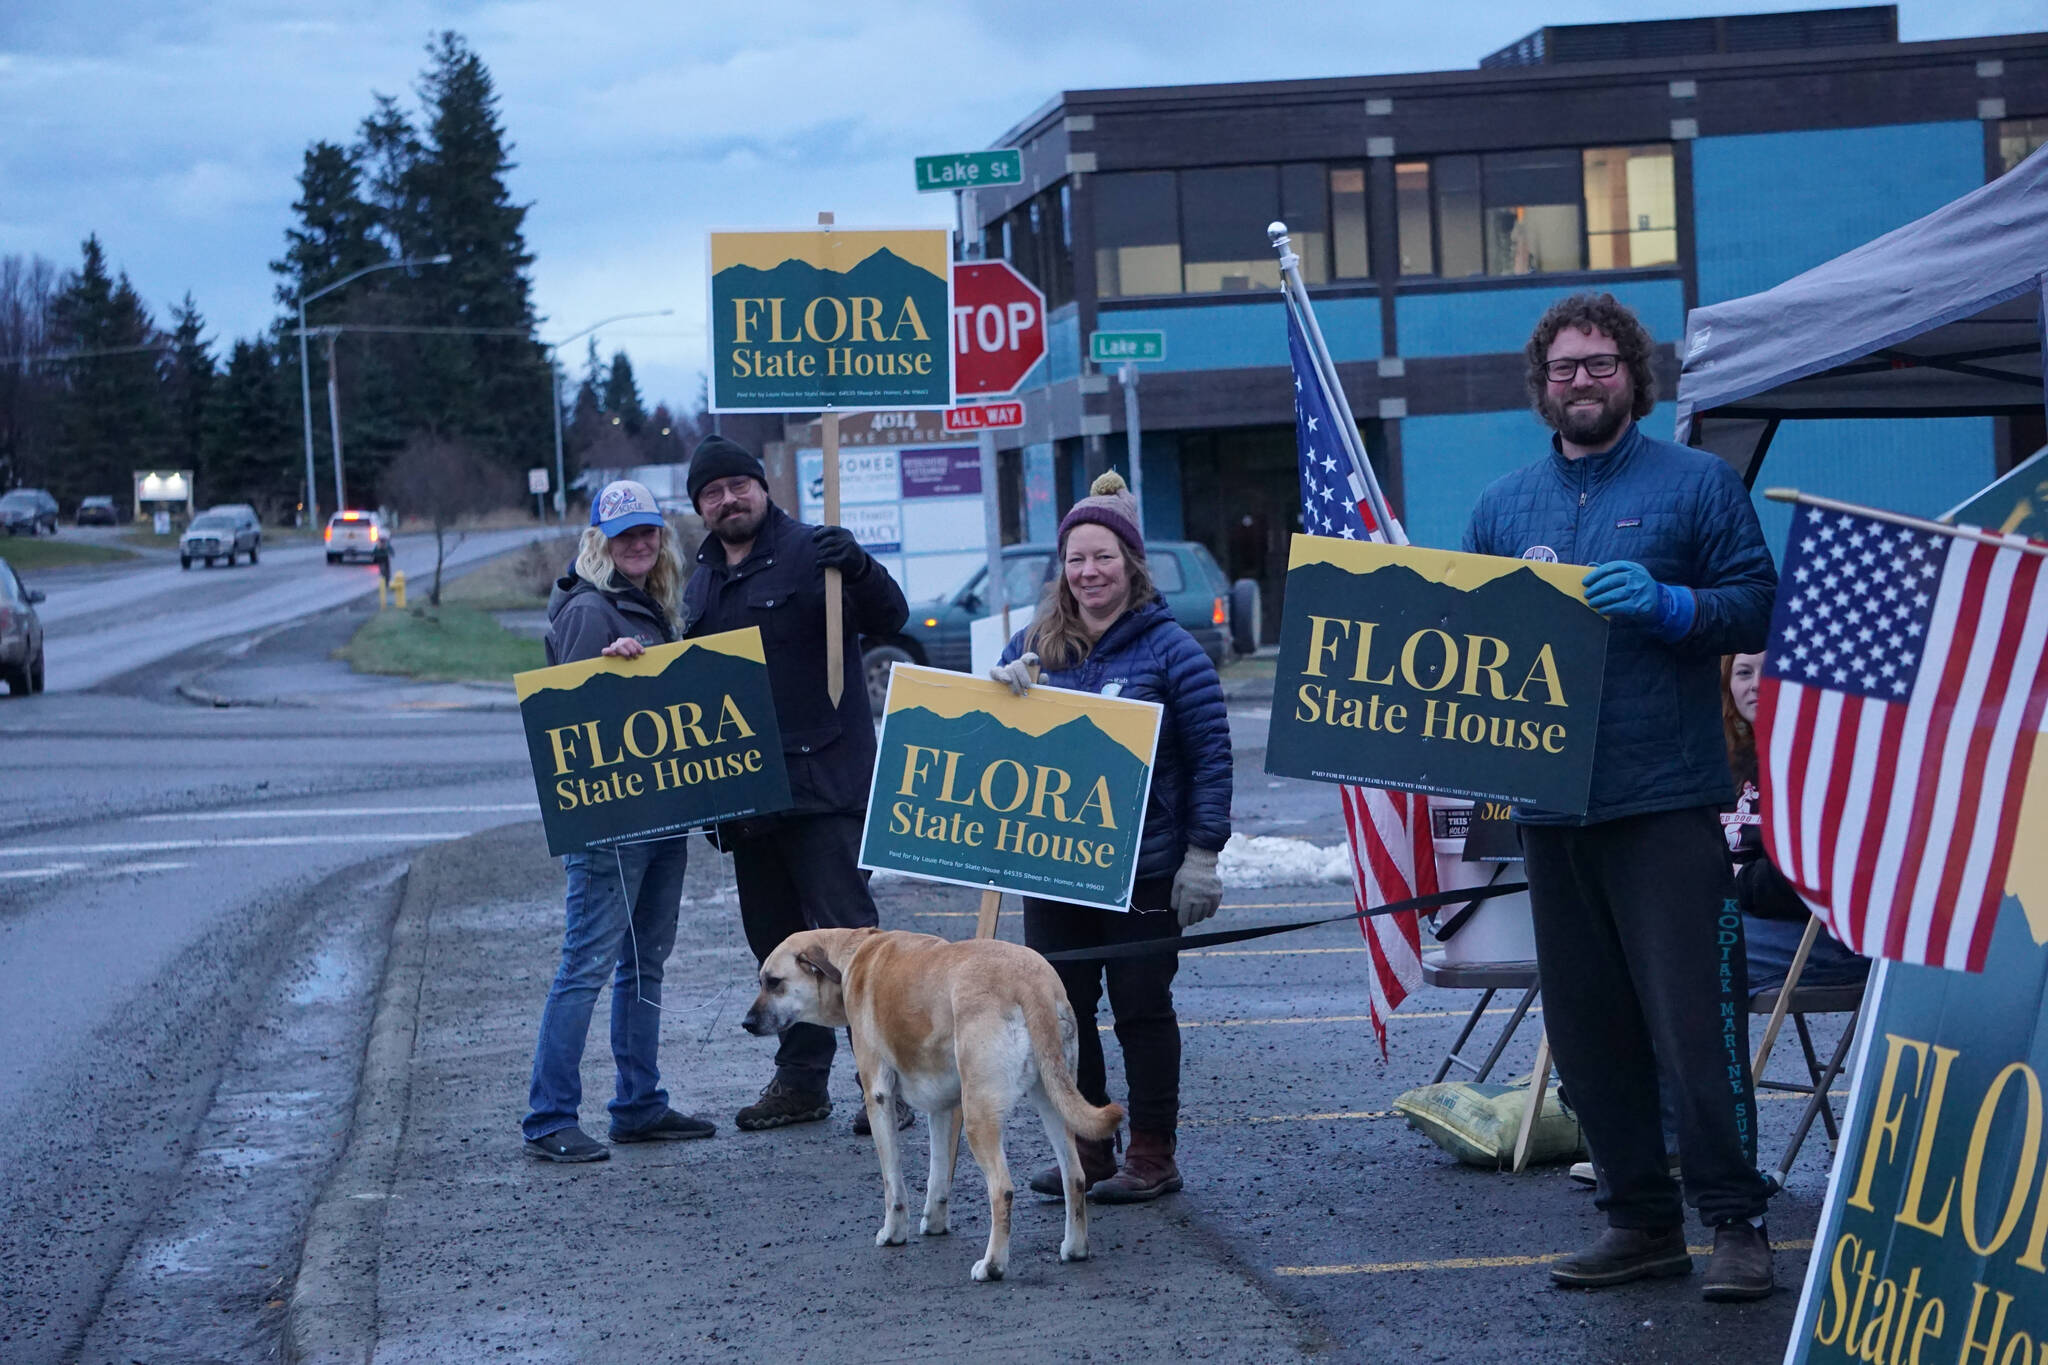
{"points": [[985, 417], [970, 170]]}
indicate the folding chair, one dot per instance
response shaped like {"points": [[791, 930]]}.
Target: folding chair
{"points": [[1799, 1001], [1489, 978]]}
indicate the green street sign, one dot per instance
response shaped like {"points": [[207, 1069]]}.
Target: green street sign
{"points": [[970, 170], [1113, 348]]}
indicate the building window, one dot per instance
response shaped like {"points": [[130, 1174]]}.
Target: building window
{"points": [[1137, 234], [1204, 231], [1527, 213], [1631, 208], [2018, 139], [1347, 223], [1411, 214], [1224, 213], [1037, 237]]}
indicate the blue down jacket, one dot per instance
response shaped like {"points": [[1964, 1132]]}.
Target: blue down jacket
{"points": [[1147, 656], [1685, 516]]}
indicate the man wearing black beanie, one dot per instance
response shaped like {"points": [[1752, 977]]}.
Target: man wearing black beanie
{"points": [[798, 869]]}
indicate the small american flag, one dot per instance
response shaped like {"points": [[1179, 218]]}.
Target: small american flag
{"points": [[1896, 719], [1392, 854]]}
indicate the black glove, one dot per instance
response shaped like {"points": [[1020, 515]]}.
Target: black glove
{"points": [[837, 549]]}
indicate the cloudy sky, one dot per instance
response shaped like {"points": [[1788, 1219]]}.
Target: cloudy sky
{"points": [[175, 128]]}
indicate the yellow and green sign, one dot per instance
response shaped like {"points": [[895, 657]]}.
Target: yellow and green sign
{"points": [[680, 738], [831, 318], [1933, 1244], [1433, 671], [1043, 794]]}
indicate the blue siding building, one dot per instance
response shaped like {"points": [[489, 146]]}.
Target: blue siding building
{"points": [[1437, 214]]}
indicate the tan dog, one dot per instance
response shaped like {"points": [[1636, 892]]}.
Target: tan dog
{"points": [[962, 1031]]}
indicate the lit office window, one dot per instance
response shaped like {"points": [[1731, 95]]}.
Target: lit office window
{"points": [[1137, 234], [1347, 222], [2018, 139], [1527, 213], [1224, 212], [1533, 214], [1631, 209], [1411, 214]]}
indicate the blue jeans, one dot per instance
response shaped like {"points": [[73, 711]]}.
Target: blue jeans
{"points": [[595, 943]]}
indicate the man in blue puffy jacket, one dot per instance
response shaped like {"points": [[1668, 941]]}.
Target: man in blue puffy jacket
{"points": [[1637, 931]]}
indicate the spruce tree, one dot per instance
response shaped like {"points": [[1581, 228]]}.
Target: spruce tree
{"points": [[488, 391], [621, 398], [251, 446], [188, 377], [110, 417]]}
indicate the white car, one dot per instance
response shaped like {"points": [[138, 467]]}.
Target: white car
{"points": [[358, 535], [218, 535]]}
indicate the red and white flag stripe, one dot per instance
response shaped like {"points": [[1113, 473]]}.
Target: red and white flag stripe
{"points": [[1389, 862]]}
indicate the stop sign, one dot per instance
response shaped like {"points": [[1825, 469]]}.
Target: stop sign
{"points": [[998, 327]]}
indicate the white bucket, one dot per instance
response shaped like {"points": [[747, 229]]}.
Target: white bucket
{"points": [[1498, 930]]}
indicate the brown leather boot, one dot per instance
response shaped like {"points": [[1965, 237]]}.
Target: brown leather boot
{"points": [[1148, 1171], [1098, 1162]]}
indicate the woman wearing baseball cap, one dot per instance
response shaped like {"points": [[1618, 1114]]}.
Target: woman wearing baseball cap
{"points": [[620, 598]]}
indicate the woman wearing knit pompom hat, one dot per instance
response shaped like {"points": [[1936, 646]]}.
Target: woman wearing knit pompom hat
{"points": [[1101, 627]]}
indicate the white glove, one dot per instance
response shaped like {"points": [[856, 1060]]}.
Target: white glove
{"points": [[1197, 890], [1017, 675]]}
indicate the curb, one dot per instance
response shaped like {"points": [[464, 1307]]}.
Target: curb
{"points": [[331, 1316]]}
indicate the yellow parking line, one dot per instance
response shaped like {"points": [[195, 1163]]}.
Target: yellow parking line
{"points": [[1265, 952], [1338, 1018], [1478, 1262]]}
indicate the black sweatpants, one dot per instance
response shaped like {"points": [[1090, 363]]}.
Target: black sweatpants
{"points": [[1140, 996], [795, 873], [1639, 941]]}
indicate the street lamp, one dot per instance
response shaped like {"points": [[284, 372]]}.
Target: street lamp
{"points": [[333, 398], [555, 380]]}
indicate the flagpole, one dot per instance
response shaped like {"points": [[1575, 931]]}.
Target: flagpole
{"points": [[1364, 486], [2011, 542]]}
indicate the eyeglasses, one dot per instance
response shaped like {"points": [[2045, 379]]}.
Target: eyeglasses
{"points": [[1597, 366]]}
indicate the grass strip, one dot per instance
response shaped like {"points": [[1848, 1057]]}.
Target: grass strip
{"points": [[448, 643], [49, 552]]}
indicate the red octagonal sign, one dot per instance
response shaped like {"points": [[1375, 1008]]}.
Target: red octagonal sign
{"points": [[998, 327]]}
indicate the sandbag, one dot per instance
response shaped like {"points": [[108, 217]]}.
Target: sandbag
{"points": [[1477, 1123]]}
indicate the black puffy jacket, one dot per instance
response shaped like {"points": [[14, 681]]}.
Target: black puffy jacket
{"points": [[779, 588]]}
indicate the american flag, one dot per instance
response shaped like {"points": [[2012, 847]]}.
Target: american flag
{"points": [[1896, 719], [1392, 854]]}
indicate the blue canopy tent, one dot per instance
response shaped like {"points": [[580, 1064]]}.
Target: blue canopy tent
{"points": [[1940, 318]]}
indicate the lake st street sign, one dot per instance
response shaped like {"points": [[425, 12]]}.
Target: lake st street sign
{"points": [[970, 170], [1114, 348], [985, 417], [998, 327]]}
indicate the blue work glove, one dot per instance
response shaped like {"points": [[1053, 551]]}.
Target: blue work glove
{"points": [[837, 549], [1622, 590]]}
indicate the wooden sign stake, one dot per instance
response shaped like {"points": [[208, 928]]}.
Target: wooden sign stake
{"points": [[991, 907], [1538, 1084], [835, 608]]}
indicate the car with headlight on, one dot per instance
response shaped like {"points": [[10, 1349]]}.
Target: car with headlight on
{"points": [[217, 535], [358, 535], [21, 634]]}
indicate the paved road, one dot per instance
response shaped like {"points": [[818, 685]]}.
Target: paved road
{"points": [[104, 622], [196, 918], [169, 875]]}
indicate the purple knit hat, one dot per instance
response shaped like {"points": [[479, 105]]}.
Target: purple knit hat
{"points": [[1109, 503]]}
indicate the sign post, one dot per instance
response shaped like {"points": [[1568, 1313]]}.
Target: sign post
{"points": [[537, 484], [1126, 350]]}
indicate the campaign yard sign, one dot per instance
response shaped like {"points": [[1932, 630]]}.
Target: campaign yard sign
{"points": [[627, 749], [1434, 671], [831, 318], [1933, 1243], [1043, 794]]}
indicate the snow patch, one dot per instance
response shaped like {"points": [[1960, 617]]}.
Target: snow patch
{"points": [[1275, 860]]}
